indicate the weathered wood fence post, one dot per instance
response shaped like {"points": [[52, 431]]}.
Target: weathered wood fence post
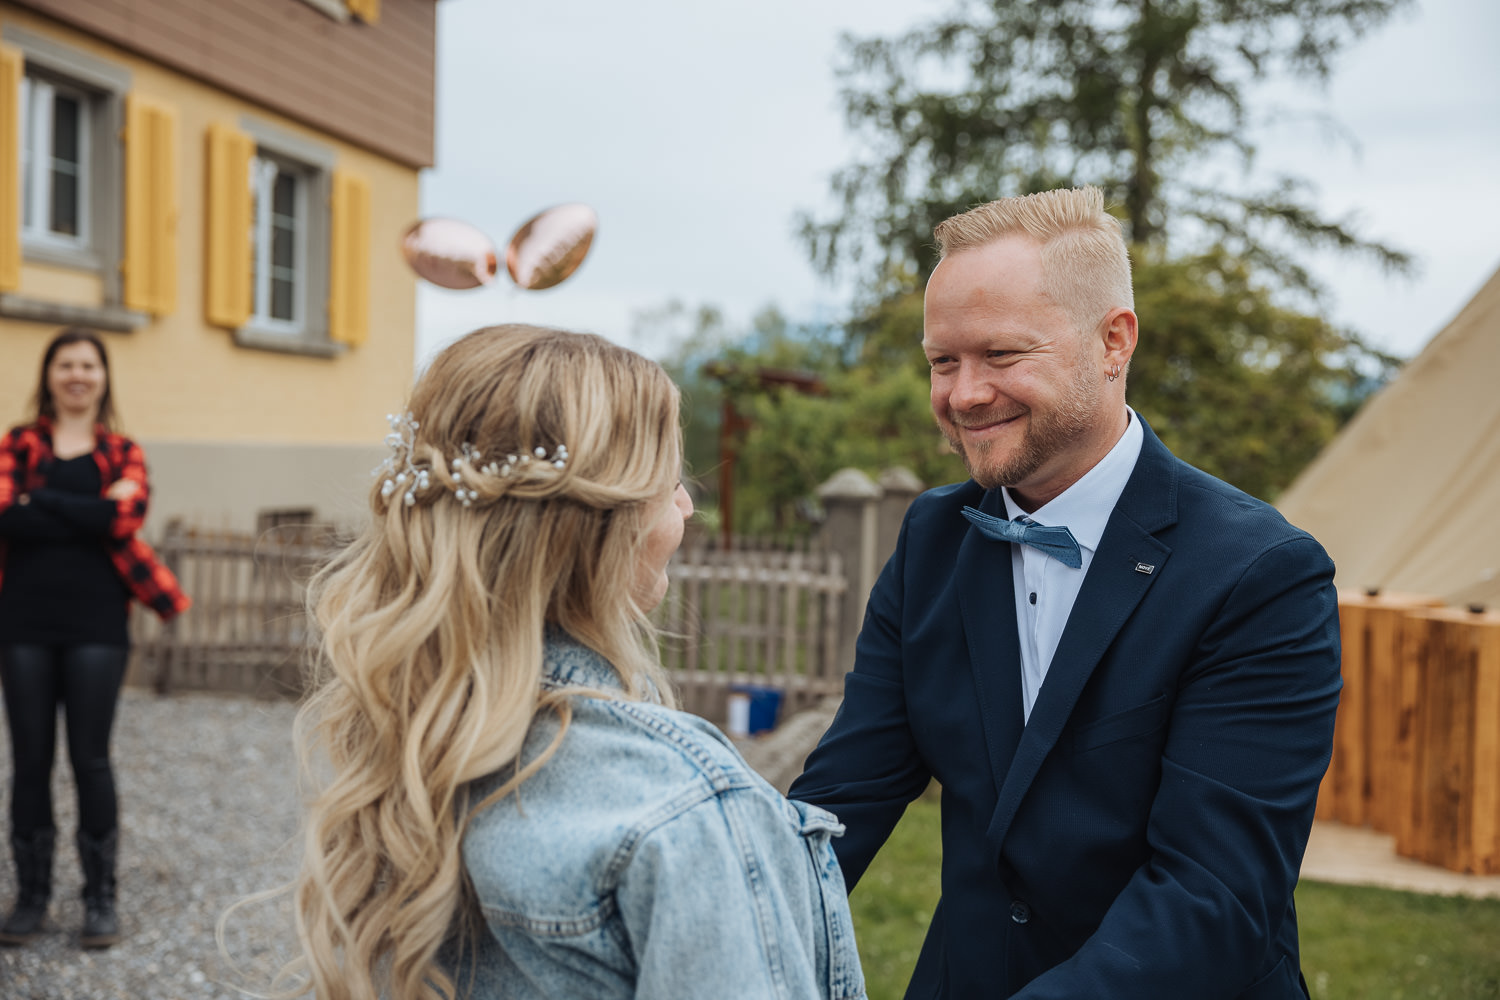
{"points": [[864, 520], [899, 486], [852, 500]]}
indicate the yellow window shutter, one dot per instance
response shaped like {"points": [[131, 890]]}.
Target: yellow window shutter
{"points": [[11, 63], [367, 11], [349, 270], [150, 265], [226, 293]]}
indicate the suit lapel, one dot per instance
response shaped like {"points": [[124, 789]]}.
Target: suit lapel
{"points": [[1117, 580], [986, 597]]}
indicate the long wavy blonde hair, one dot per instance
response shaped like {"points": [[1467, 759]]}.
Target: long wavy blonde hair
{"points": [[432, 633]]}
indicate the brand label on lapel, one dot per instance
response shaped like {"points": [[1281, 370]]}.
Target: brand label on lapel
{"points": [[1146, 568]]}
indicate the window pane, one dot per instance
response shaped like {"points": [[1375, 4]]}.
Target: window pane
{"points": [[281, 299], [283, 243], [284, 198], [66, 119], [64, 203]]}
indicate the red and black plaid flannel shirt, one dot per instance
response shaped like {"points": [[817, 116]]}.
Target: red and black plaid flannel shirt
{"points": [[25, 454]]}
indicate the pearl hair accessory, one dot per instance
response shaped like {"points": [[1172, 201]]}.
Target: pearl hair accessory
{"points": [[401, 471]]}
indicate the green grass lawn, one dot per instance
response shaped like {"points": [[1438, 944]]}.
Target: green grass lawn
{"points": [[1357, 943]]}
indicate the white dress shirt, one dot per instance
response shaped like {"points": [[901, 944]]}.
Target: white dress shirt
{"points": [[1045, 588]]}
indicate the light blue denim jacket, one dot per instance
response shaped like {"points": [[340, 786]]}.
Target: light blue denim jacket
{"points": [[646, 859]]}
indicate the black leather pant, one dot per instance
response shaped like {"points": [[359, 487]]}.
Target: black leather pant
{"points": [[85, 680]]}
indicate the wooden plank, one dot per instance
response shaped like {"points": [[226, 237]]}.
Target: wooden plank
{"points": [[1389, 708], [1482, 633], [1456, 815], [1349, 742]]}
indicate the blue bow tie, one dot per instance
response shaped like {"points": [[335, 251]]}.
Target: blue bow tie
{"points": [[1057, 542]]}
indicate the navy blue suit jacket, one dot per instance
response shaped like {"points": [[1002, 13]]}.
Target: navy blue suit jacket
{"points": [[1141, 835]]}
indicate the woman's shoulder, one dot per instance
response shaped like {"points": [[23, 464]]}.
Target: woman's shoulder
{"points": [[608, 724], [623, 758], [116, 442], [693, 745], [20, 435], [621, 770]]}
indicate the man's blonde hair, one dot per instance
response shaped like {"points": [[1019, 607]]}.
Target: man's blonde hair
{"points": [[1085, 264]]}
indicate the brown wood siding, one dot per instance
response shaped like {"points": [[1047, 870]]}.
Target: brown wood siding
{"points": [[369, 84]]}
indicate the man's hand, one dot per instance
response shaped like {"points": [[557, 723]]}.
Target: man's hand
{"points": [[123, 489]]}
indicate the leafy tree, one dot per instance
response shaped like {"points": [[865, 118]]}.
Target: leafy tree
{"points": [[866, 415], [1144, 98], [1148, 99], [1237, 385], [694, 339]]}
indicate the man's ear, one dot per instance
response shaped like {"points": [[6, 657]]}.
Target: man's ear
{"points": [[1118, 331]]}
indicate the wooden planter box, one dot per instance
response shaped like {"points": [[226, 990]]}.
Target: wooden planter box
{"points": [[1454, 815], [1370, 777]]}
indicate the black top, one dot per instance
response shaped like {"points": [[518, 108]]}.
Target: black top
{"points": [[59, 584]]}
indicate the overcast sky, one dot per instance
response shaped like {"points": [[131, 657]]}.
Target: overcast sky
{"points": [[697, 130]]}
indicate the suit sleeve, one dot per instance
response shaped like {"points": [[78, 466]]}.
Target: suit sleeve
{"points": [[867, 766], [1249, 740]]}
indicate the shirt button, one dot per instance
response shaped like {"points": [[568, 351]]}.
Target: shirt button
{"points": [[1020, 912]]}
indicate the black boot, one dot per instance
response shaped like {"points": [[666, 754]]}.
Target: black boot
{"points": [[33, 856], [100, 926]]}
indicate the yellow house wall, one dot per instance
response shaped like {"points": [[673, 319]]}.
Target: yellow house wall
{"points": [[177, 379], [61, 284]]}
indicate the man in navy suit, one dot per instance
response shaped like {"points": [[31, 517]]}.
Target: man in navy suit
{"points": [[1122, 671]]}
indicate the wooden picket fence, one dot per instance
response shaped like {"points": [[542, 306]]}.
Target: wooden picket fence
{"points": [[760, 613], [248, 630], [1417, 740], [753, 616]]}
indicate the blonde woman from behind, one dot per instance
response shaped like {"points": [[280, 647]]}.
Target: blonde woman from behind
{"points": [[511, 806]]}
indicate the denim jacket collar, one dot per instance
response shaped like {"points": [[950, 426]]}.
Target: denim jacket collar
{"points": [[568, 663]]}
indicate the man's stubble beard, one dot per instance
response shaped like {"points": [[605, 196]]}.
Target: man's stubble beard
{"points": [[1047, 433]]}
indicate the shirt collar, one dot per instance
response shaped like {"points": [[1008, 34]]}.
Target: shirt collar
{"points": [[1084, 507]]}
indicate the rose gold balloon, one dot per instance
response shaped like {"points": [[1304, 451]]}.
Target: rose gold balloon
{"points": [[551, 245], [450, 253]]}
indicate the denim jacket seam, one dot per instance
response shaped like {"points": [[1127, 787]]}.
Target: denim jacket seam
{"points": [[687, 742], [751, 868], [605, 908], [721, 779], [659, 818], [765, 917]]}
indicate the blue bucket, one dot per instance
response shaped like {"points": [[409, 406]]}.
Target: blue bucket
{"points": [[753, 709]]}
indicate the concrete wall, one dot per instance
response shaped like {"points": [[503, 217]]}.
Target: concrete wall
{"points": [[218, 485]]}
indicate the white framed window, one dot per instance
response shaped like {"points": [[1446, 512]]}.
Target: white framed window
{"points": [[290, 185], [56, 162], [72, 113], [279, 225]]}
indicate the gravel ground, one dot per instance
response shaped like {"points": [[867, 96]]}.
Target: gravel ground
{"points": [[208, 815]]}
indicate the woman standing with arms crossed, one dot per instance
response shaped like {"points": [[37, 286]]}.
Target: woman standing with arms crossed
{"points": [[73, 494], [510, 804]]}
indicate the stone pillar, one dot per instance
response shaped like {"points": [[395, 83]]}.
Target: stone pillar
{"points": [[899, 487], [852, 500]]}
